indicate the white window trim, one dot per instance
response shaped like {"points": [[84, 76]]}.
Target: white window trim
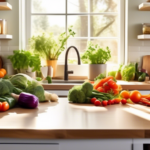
{"points": [[25, 30]]}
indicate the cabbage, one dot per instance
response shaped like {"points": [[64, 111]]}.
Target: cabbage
{"points": [[128, 72], [32, 86]]}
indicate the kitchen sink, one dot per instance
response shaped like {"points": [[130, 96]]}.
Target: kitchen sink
{"points": [[65, 81]]}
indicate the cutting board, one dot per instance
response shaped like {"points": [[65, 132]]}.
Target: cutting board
{"points": [[1, 62], [146, 63], [140, 107]]}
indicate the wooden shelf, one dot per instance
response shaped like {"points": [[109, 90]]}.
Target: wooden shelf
{"points": [[145, 6], [144, 37], [5, 37], [5, 6]]}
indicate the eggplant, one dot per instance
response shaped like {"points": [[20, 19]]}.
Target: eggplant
{"points": [[26, 100]]}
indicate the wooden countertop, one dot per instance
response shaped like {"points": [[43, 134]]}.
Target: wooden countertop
{"points": [[64, 120], [132, 85]]}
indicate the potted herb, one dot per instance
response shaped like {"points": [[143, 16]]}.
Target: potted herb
{"points": [[50, 47], [96, 57], [25, 62]]}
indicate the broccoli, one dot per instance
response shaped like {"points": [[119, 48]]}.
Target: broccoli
{"points": [[79, 93]]}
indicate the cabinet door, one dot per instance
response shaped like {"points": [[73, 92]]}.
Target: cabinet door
{"points": [[29, 146]]}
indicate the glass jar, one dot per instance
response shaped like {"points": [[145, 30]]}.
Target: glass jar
{"points": [[3, 26], [146, 28]]}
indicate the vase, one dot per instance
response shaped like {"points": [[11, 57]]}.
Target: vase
{"points": [[52, 67], [95, 70]]}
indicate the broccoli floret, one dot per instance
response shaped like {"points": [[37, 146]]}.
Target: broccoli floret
{"points": [[76, 95], [87, 88], [79, 94]]}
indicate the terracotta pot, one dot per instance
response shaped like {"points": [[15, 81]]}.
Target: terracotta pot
{"points": [[53, 64], [95, 70]]}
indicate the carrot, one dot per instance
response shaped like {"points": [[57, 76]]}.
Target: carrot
{"points": [[146, 96], [102, 81], [145, 101]]}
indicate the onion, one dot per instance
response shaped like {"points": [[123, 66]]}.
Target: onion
{"points": [[26, 100]]}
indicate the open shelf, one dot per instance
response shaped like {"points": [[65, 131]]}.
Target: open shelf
{"points": [[5, 37], [145, 6], [144, 37], [5, 6]]}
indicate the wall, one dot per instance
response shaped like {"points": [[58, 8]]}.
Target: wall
{"points": [[7, 46], [137, 48]]}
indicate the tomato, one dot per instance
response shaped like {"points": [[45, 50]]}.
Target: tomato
{"points": [[109, 102], [135, 96], [115, 91], [104, 103], [117, 100], [125, 94], [112, 101], [123, 101], [93, 100], [106, 87], [4, 106], [100, 89], [97, 103], [112, 84]]}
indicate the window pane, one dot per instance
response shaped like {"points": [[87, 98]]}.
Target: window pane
{"points": [[77, 6], [80, 44], [98, 6], [104, 26], [80, 25], [48, 6], [113, 46], [40, 23]]}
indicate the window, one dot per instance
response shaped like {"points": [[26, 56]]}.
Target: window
{"points": [[99, 21]]}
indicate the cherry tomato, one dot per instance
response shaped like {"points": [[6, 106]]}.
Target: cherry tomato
{"points": [[97, 103], [100, 89], [109, 102], [123, 101], [112, 84], [135, 96], [104, 103], [112, 101], [125, 94], [117, 100], [4, 106], [93, 100]]}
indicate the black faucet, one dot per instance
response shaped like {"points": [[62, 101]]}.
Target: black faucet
{"points": [[66, 72]]}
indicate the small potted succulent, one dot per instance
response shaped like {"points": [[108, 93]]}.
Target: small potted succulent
{"points": [[25, 62], [96, 57]]}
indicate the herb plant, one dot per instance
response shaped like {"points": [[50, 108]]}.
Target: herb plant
{"points": [[94, 54], [22, 59], [48, 46]]}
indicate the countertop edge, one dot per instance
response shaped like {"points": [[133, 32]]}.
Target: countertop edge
{"points": [[73, 134]]}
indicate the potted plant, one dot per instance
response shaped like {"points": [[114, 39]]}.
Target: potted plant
{"points": [[96, 57], [50, 47], [25, 62]]}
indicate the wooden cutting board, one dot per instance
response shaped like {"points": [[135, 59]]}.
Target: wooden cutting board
{"points": [[1, 62], [140, 107], [146, 63]]}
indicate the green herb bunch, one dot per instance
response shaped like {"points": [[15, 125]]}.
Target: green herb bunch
{"points": [[94, 54], [22, 59], [48, 46]]}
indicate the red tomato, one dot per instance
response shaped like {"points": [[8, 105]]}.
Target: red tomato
{"points": [[112, 102], [106, 87], [117, 100], [93, 100], [4, 106], [97, 103], [104, 103], [116, 91], [123, 101], [100, 89], [112, 84], [135, 96], [109, 102]]}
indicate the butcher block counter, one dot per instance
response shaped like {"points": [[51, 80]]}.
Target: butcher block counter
{"points": [[132, 85], [64, 120]]}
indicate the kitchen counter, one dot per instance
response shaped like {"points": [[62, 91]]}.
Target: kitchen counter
{"points": [[64, 120], [132, 85]]}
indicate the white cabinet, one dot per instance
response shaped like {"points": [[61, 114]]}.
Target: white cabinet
{"points": [[29, 146], [138, 144]]}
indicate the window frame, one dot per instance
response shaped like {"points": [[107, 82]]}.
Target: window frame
{"points": [[25, 26]]}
